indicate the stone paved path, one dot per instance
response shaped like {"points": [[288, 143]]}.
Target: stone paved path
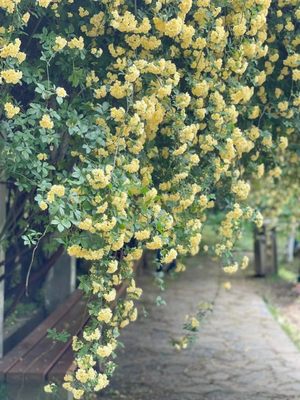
{"points": [[240, 353]]}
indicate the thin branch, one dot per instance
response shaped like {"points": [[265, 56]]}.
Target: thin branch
{"points": [[52, 260], [32, 260]]}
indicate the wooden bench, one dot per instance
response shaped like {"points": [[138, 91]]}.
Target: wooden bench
{"points": [[37, 359]]}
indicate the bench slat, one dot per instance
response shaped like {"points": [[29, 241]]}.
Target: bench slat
{"points": [[37, 358], [35, 364], [20, 351], [64, 364], [67, 348]]}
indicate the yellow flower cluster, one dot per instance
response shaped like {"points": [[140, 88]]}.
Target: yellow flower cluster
{"points": [[89, 254], [11, 76], [105, 315], [56, 190], [241, 189], [46, 122], [61, 92], [169, 257], [231, 269], [11, 110]]}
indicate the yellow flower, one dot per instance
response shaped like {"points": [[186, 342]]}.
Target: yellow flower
{"points": [[267, 141], [241, 189], [283, 105], [169, 257], [239, 30], [296, 74], [42, 156], [134, 315], [86, 225], [58, 190], [260, 170], [11, 76], [259, 220], [100, 93], [105, 315], [142, 235], [109, 297], [78, 393], [60, 92], [102, 209], [124, 323], [255, 111], [102, 382], [132, 74], [94, 336], [49, 388], [231, 269], [118, 90], [76, 43], [43, 3], [201, 89], [195, 323], [133, 166], [173, 27], [137, 292], [43, 205], [185, 6], [155, 244], [283, 143], [227, 285], [11, 50], [245, 262], [46, 122], [82, 375], [243, 95], [60, 43], [25, 17], [260, 78], [11, 110], [104, 351], [112, 266]]}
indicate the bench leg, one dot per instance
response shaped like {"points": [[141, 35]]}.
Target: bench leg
{"points": [[70, 396], [60, 282]]}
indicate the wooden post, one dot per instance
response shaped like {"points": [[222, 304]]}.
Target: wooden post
{"points": [[291, 243], [273, 249], [259, 251], [60, 282], [2, 267], [265, 250]]}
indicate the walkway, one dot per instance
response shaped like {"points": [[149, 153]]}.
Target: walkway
{"points": [[240, 352]]}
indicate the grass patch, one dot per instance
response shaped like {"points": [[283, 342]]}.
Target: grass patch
{"points": [[287, 275], [290, 329], [23, 310]]}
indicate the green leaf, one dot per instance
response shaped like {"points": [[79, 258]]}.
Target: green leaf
{"points": [[56, 336]]}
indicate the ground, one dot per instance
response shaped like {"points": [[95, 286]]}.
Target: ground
{"points": [[241, 352], [283, 300]]}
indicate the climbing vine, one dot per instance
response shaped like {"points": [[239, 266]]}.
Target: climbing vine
{"points": [[129, 122]]}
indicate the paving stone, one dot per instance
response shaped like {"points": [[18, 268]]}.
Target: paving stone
{"points": [[240, 353]]}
